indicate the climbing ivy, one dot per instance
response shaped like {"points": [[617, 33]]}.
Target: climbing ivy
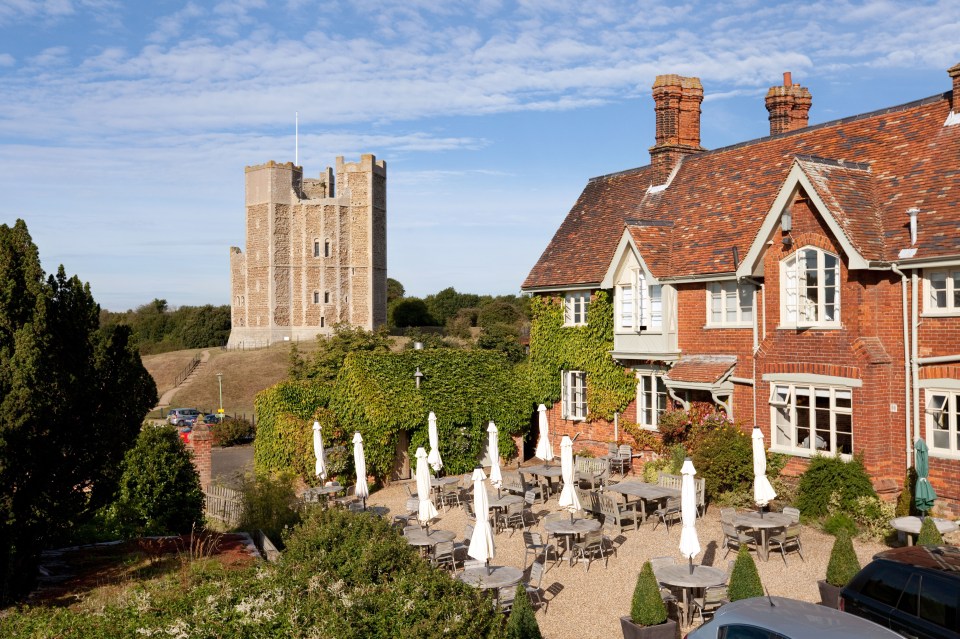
{"points": [[375, 394], [285, 414], [555, 347]]}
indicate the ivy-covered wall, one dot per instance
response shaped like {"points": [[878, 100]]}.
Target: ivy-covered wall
{"points": [[555, 347], [376, 395]]}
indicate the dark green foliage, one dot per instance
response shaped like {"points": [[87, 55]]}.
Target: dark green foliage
{"points": [[445, 304], [285, 415], [744, 578], [426, 339], [333, 349], [555, 347], [504, 339], [838, 523], [376, 395], [160, 491], [843, 564], [647, 607], [72, 397], [231, 431], [724, 459], [270, 504], [906, 506], [410, 311], [522, 623], [499, 313], [929, 535], [157, 329], [343, 575], [460, 324], [828, 475], [395, 290]]}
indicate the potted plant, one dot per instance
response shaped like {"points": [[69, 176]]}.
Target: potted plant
{"points": [[648, 614], [744, 578], [842, 567]]}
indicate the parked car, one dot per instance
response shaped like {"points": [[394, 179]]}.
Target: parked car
{"points": [[211, 418], [913, 590], [782, 618], [183, 416]]}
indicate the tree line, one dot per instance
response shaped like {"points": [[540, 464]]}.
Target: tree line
{"points": [[156, 328]]}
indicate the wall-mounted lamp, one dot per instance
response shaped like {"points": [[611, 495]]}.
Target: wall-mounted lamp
{"points": [[417, 377], [913, 212]]}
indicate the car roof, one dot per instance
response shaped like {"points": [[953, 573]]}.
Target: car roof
{"points": [[943, 558], [795, 618]]}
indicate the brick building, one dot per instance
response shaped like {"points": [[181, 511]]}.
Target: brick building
{"points": [[808, 282], [316, 252]]}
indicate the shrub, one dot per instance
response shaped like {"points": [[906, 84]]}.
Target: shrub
{"points": [[724, 459], [828, 475], [906, 505], [647, 607], [929, 535], [873, 516], [838, 523], [270, 504], [160, 489], [744, 578], [843, 564], [460, 324], [522, 623], [231, 431]]}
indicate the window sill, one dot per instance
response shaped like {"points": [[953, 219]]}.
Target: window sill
{"points": [[649, 331], [710, 327], [944, 454], [574, 325], [574, 419], [953, 312], [812, 327], [802, 452]]}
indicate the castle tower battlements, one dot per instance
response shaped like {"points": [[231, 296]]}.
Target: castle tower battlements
{"points": [[316, 252]]}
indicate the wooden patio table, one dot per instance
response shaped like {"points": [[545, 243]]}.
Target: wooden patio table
{"points": [[491, 577], [424, 540], [644, 492], [752, 519], [570, 529], [542, 470], [680, 576]]}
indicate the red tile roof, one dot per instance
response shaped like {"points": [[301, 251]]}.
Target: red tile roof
{"points": [[868, 169]]}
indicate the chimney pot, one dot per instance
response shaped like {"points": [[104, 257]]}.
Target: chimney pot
{"points": [[954, 72], [788, 106], [787, 80], [677, 105]]}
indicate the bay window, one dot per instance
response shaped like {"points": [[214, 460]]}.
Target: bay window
{"points": [[811, 419], [639, 305]]}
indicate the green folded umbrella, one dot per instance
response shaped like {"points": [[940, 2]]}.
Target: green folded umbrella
{"points": [[924, 495]]}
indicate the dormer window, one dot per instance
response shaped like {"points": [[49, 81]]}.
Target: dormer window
{"points": [[575, 308], [639, 305], [810, 291]]}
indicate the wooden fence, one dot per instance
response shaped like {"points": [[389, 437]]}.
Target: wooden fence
{"points": [[224, 505]]}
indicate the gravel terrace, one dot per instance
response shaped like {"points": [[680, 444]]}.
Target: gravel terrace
{"points": [[591, 602]]}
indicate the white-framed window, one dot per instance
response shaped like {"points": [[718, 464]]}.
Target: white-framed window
{"points": [[574, 394], [575, 307], [810, 289], [651, 398], [942, 288], [943, 422], [729, 304], [811, 419], [639, 305]]}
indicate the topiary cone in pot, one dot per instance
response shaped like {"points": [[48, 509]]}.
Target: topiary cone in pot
{"points": [[841, 568], [648, 613]]}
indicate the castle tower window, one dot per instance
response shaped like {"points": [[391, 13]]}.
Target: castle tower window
{"points": [[326, 297], [316, 297], [326, 248], [316, 248], [322, 322]]}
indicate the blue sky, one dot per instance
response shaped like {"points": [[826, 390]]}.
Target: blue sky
{"points": [[125, 126]]}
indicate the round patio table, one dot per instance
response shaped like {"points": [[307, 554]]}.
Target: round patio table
{"points": [[437, 482], [504, 500], [424, 540], [563, 526], [314, 494], [752, 519], [910, 526], [490, 577], [681, 577]]}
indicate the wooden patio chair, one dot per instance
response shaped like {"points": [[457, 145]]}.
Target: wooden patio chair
{"points": [[668, 513], [734, 538], [713, 597], [787, 539]]}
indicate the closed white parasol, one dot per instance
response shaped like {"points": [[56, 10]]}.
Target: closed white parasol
{"points": [[362, 491], [689, 543], [544, 448], [434, 457], [493, 447], [763, 492], [481, 543], [568, 496], [319, 452], [427, 510]]}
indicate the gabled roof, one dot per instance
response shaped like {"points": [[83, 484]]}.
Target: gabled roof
{"points": [[867, 170]]}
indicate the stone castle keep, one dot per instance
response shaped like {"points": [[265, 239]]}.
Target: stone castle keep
{"points": [[316, 252]]}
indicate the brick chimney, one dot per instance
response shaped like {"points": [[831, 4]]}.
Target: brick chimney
{"points": [[789, 106], [954, 73], [677, 104]]}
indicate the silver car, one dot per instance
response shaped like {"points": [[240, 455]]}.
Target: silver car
{"points": [[782, 618]]}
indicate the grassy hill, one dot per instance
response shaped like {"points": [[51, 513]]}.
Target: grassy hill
{"points": [[245, 373]]}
